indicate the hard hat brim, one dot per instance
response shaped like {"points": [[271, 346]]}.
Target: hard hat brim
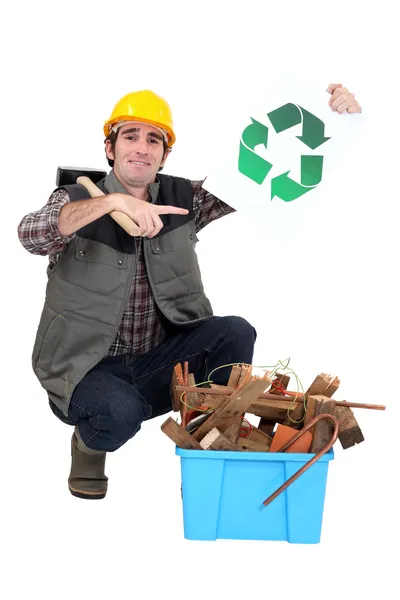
{"points": [[109, 124]]}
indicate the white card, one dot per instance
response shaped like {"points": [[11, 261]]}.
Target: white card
{"points": [[279, 184]]}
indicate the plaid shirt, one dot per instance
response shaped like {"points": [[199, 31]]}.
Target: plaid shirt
{"points": [[141, 327]]}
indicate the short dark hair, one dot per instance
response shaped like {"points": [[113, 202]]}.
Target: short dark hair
{"points": [[113, 139]]}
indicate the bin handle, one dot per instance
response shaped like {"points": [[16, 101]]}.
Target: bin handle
{"points": [[314, 459]]}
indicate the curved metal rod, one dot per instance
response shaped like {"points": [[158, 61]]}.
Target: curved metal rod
{"points": [[314, 458]]}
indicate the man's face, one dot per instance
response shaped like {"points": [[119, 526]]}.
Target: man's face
{"points": [[138, 154]]}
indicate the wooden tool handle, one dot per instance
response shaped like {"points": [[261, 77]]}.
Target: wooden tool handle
{"points": [[121, 218]]}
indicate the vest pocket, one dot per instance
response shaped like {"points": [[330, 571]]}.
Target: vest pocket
{"points": [[94, 252], [181, 237], [50, 343], [46, 320], [72, 342]]}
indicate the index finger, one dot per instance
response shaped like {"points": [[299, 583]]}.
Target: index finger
{"points": [[171, 210], [332, 87]]}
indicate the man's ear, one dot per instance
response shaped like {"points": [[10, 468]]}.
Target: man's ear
{"points": [[109, 152], [166, 154]]}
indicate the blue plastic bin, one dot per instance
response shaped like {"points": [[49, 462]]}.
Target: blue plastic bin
{"points": [[223, 494]]}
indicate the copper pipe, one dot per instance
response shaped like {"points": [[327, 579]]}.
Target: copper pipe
{"points": [[228, 391], [314, 458]]}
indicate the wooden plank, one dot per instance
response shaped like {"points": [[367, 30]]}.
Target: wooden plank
{"points": [[258, 436], [296, 414], [350, 433], [234, 376], [323, 430], [215, 440], [231, 407], [233, 431], [193, 399], [215, 401], [283, 380], [252, 446], [268, 425], [323, 385], [332, 387], [216, 386], [219, 405], [275, 410], [242, 398], [176, 379], [177, 434], [289, 396], [245, 375], [240, 374], [310, 412]]}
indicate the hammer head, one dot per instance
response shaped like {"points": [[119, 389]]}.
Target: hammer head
{"points": [[69, 175]]}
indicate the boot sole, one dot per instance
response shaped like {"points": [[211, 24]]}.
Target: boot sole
{"points": [[87, 495]]}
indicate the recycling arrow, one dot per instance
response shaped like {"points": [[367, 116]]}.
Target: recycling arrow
{"points": [[251, 164], [289, 115], [311, 174], [287, 189], [311, 169], [284, 117]]}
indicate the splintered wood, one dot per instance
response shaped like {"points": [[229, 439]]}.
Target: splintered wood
{"points": [[232, 406], [217, 417], [322, 387]]}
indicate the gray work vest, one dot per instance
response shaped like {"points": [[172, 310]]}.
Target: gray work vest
{"points": [[88, 288]]}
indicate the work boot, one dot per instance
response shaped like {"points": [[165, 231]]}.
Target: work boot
{"points": [[86, 479]]}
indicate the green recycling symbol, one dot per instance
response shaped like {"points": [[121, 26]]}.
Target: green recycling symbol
{"points": [[257, 168]]}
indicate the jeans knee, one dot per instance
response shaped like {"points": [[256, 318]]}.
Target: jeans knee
{"points": [[124, 420], [241, 328]]}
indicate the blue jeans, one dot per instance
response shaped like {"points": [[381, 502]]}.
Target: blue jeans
{"points": [[119, 393]]}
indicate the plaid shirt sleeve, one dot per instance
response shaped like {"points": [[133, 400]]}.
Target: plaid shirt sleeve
{"points": [[207, 208], [38, 231]]}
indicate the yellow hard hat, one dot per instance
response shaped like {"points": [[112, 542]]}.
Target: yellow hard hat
{"points": [[146, 107]]}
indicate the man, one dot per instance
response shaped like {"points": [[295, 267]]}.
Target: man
{"points": [[121, 311]]}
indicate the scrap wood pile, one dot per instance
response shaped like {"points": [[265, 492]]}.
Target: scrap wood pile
{"points": [[214, 418]]}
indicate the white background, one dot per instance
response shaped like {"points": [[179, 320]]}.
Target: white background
{"points": [[64, 66]]}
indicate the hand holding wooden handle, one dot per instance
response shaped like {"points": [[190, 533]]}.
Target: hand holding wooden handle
{"points": [[121, 218]]}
